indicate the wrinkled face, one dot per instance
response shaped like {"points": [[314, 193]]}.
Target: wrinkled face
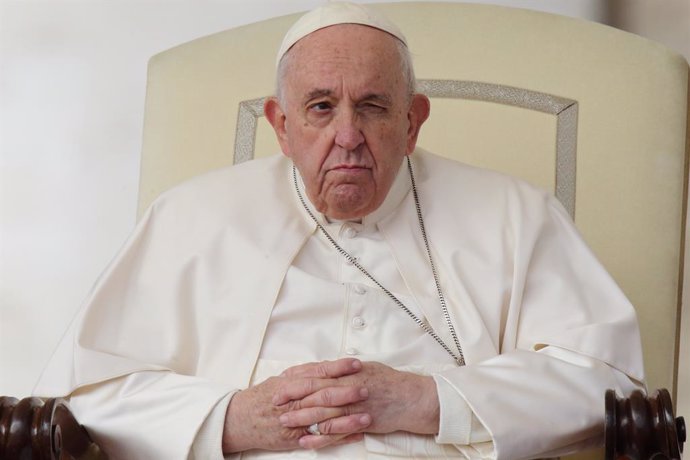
{"points": [[346, 118]]}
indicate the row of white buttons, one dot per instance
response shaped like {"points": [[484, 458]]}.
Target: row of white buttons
{"points": [[357, 322]]}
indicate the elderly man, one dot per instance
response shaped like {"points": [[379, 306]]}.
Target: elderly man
{"points": [[370, 301]]}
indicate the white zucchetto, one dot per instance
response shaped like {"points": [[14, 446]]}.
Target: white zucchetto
{"points": [[334, 13]]}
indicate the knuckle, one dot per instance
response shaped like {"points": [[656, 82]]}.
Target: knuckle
{"points": [[326, 427], [308, 386], [272, 382], [290, 434], [289, 420], [322, 369], [327, 397], [279, 393], [293, 405], [350, 410]]}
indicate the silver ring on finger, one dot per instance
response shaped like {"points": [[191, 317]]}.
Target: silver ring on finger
{"points": [[314, 429]]}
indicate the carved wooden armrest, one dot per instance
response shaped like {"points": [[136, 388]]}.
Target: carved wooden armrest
{"points": [[643, 427], [33, 429]]}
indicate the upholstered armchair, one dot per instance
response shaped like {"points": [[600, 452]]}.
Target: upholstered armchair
{"points": [[596, 115]]}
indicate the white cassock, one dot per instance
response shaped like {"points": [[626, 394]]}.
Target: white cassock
{"points": [[226, 281]]}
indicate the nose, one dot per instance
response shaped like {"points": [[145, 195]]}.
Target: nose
{"points": [[348, 133]]}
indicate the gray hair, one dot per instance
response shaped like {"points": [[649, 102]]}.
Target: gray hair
{"points": [[406, 68]]}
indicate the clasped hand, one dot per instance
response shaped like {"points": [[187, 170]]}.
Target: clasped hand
{"points": [[346, 398]]}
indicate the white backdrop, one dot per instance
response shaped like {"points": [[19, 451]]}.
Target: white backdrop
{"points": [[72, 83]]}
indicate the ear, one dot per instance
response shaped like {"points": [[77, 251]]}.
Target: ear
{"points": [[276, 117], [417, 115]]}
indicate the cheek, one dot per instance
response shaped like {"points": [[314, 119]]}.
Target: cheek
{"points": [[389, 141], [310, 155]]}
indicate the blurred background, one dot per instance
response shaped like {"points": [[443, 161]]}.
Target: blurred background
{"points": [[72, 86]]}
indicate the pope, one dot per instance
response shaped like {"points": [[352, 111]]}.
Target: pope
{"points": [[371, 300]]}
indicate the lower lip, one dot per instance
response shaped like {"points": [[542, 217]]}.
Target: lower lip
{"points": [[350, 173]]}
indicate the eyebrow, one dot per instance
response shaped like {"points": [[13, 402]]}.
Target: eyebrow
{"points": [[317, 93], [376, 97]]}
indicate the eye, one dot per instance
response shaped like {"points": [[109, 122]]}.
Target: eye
{"points": [[372, 107], [320, 107]]}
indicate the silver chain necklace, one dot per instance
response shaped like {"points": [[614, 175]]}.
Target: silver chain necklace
{"points": [[458, 357]]}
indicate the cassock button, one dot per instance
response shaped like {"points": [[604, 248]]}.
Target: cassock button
{"points": [[352, 351], [358, 322], [359, 289], [350, 232]]}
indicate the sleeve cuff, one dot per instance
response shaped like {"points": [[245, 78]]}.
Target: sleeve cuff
{"points": [[208, 441], [457, 425]]}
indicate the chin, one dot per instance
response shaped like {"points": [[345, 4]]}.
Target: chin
{"points": [[349, 212], [350, 201]]}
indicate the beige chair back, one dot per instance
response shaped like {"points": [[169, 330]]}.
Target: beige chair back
{"points": [[595, 114]]}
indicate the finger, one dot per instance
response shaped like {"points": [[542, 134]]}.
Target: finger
{"points": [[335, 397], [296, 389], [318, 442], [347, 424], [325, 369], [331, 397], [305, 417]]}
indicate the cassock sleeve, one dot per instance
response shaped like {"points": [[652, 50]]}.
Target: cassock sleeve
{"points": [[568, 334], [175, 322], [542, 432], [129, 362], [151, 414], [209, 439]]}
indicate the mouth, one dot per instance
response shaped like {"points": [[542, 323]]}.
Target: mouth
{"points": [[348, 167]]}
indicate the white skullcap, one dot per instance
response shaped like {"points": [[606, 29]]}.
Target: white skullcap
{"points": [[334, 13]]}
